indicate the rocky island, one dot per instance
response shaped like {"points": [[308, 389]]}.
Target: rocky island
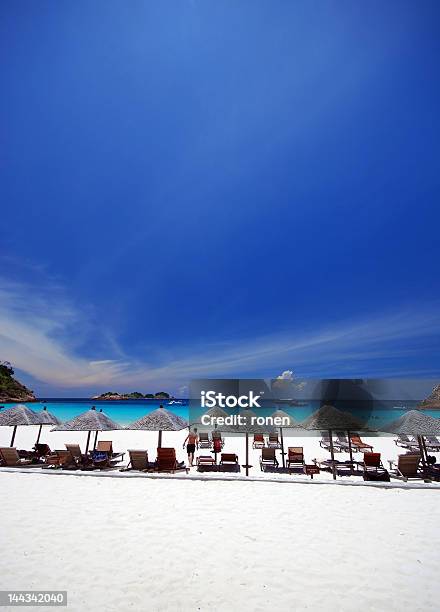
{"points": [[10, 389], [432, 402], [113, 395]]}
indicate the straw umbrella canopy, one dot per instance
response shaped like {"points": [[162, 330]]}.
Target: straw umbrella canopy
{"points": [[90, 420], [249, 425], [16, 416], [330, 418], [214, 413], [415, 423], [97, 432], [292, 424], [159, 420], [46, 418]]}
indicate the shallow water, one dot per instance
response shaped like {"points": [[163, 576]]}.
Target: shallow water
{"points": [[125, 411]]}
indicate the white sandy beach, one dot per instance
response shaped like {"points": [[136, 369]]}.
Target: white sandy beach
{"points": [[141, 544], [181, 544]]}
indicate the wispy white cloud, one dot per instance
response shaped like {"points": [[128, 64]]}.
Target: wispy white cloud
{"points": [[40, 333], [54, 342]]}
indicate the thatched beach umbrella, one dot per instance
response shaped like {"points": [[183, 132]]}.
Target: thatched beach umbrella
{"points": [[330, 418], [46, 418], [97, 432], [213, 413], [291, 424], [415, 423], [159, 420], [89, 421], [16, 416]]}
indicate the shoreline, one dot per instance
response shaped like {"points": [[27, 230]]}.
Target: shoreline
{"points": [[214, 477]]}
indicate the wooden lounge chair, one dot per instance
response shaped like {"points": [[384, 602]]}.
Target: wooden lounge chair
{"points": [[344, 444], [205, 463], [60, 459], [325, 442], [408, 466], [98, 460], [406, 442], [432, 444], [228, 458], [258, 441], [138, 461], [216, 435], [273, 441], [268, 459], [295, 458], [204, 440], [362, 446], [374, 469], [9, 457], [432, 471], [167, 462], [106, 446], [228, 463], [75, 451], [343, 468], [41, 450]]}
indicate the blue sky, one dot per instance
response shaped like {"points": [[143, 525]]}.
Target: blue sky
{"points": [[218, 189]]}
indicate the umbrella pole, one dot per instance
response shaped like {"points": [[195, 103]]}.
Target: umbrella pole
{"points": [[424, 448], [159, 440], [87, 443], [96, 439], [282, 448], [13, 436], [215, 446], [420, 441], [332, 453], [247, 454], [39, 434], [350, 451]]}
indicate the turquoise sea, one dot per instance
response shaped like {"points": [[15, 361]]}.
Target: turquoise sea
{"points": [[124, 412]]}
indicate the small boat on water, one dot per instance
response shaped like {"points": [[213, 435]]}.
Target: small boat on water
{"points": [[174, 402], [291, 402]]}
